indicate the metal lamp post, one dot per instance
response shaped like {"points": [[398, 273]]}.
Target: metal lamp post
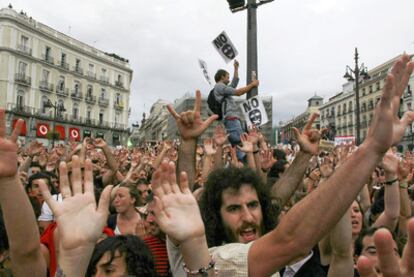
{"points": [[354, 75], [251, 6], [56, 107]]}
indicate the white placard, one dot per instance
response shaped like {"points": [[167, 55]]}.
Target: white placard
{"points": [[225, 47], [344, 140], [203, 66], [254, 112]]}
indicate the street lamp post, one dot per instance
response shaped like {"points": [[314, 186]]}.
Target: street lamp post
{"points": [[353, 75], [56, 107], [251, 6]]}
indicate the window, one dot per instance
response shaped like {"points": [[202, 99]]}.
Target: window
{"points": [[120, 81], [101, 117], [103, 93], [378, 86], [88, 113], [77, 64], [22, 68], [59, 111], [103, 72], [20, 100], [91, 68], [370, 89], [63, 59], [43, 103], [75, 111], [89, 91], [76, 87], [61, 85], [47, 52], [118, 99], [45, 75], [24, 41]]}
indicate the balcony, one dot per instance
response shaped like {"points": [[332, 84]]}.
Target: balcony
{"points": [[20, 109], [90, 122], [46, 86], [76, 95], [91, 75], [90, 99], [103, 102], [22, 79], [48, 59], [119, 84], [104, 79], [62, 91], [119, 106], [78, 70], [24, 49], [64, 65], [118, 126]]}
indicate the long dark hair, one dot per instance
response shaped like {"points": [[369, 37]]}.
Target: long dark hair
{"points": [[137, 256], [211, 201]]}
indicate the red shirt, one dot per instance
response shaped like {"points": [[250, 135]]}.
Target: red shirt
{"points": [[158, 249]]}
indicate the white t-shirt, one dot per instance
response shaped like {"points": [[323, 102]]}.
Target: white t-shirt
{"points": [[46, 213]]}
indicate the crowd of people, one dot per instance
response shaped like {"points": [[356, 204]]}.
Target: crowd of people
{"points": [[220, 207]]}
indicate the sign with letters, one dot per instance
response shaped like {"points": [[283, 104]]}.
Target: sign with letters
{"points": [[203, 66], [225, 47], [254, 112]]}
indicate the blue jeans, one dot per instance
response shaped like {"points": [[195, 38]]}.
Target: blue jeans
{"points": [[234, 129]]}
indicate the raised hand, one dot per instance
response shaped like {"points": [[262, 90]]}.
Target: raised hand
{"points": [[387, 128], [390, 163], [220, 136], [80, 221], [253, 135], [247, 145], [8, 148], [388, 262], [175, 208], [209, 148], [189, 123], [100, 143], [308, 140], [35, 148], [267, 160]]}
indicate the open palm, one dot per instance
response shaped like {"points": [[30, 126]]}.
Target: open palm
{"points": [[8, 148]]}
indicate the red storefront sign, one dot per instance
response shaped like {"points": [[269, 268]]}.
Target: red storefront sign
{"points": [[23, 129], [42, 129], [74, 134]]}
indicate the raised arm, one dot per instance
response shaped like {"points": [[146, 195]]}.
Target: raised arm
{"points": [[220, 137], [389, 217], [191, 126], [178, 215], [289, 240], [79, 219], [308, 140], [19, 218]]}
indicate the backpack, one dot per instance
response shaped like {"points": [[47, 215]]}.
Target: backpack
{"points": [[214, 105]]}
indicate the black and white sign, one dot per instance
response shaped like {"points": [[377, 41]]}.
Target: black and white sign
{"points": [[225, 47], [254, 112], [203, 66]]}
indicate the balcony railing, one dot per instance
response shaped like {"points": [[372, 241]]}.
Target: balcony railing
{"points": [[91, 75], [90, 99], [20, 109], [104, 79], [64, 65], [24, 49], [119, 84], [78, 70], [48, 59], [22, 79], [62, 91], [46, 86], [118, 106], [103, 102], [76, 95]]}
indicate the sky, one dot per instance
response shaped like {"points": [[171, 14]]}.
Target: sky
{"points": [[303, 45]]}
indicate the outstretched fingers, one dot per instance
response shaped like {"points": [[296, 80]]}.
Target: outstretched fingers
{"points": [[185, 188], [16, 131], [64, 181], [408, 255], [105, 200], [53, 204], [311, 119], [172, 111], [365, 269], [197, 105], [88, 177], [387, 258]]}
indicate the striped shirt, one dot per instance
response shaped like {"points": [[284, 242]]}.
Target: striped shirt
{"points": [[159, 251]]}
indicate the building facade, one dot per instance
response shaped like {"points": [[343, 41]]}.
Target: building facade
{"points": [[286, 128], [59, 86], [161, 125]]}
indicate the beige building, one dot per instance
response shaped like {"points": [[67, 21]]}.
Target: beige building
{"points": [[89, 88], [339, 112], [286, 128]]}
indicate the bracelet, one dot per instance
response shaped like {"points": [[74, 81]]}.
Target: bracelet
{"points": [[202, 270], [389, 183], [403, 186]]}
